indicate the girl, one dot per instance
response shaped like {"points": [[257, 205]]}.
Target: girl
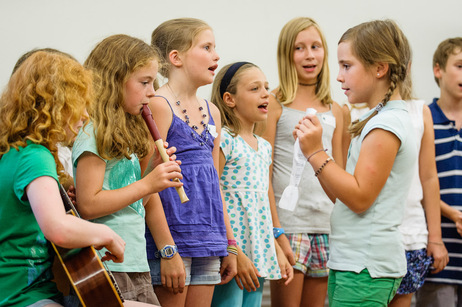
{"points": [[421, 226], [240, 92], [43, 104], [367, 258], [109, 186], [304, 83], [198, 230]]}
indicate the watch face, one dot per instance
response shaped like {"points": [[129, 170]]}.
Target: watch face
{"points": [[168, 251]]}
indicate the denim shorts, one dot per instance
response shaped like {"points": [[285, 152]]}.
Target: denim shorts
{"points": [[199, 271], [42, 303], [418, 267]]}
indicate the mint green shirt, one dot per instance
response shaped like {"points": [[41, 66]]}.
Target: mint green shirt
{"points": [[371, 239], [129, 222]]}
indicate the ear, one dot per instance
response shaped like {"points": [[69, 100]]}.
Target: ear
{"points": [[437, 71], [381, 69], [175, 59], [229, 100]]}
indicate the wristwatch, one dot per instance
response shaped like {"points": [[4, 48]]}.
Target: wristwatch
{"points": [[277, 232], [167, 252]]}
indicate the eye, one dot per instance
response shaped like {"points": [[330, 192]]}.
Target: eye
{"points": [[207, 47], [346, 66]]}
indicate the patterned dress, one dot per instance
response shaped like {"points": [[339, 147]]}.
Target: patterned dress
{"points": [[245, 183]]}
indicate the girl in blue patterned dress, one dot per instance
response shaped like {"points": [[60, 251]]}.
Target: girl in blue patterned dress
{"points": [[195, 234], [240, 92]]}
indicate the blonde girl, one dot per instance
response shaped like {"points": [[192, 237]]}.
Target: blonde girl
{"points": [[303, 233], [109, 183], [185, 256], [240, 91], [43, 105], [367, 260]]}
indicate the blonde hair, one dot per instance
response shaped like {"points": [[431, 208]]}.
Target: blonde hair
{"points": [[444, 50], [46, 95], [228, 117], [118, 133], [175, 34], [379, 41], [288, 78]]}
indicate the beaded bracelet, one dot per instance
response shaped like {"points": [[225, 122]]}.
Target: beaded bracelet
{"points": [[317, 151], [322, 166], [232, 249], [232, 243]]}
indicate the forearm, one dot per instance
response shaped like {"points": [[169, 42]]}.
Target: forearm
{"points": [[106, 202], [431, 205], [449, 212], [157, 222]]}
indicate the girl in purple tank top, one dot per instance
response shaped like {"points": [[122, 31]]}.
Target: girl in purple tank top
{"points": [[188, 243]]}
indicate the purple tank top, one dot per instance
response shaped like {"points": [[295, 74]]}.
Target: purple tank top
{"points": [[197, 226]]}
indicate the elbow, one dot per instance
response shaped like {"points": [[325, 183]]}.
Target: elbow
{"points": [[359, 206]]}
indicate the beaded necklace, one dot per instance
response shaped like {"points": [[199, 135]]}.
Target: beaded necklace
{"points": [[186, 117]]}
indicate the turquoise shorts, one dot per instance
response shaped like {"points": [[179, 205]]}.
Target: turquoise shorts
{"points": [[350, 289], [230, 295]]}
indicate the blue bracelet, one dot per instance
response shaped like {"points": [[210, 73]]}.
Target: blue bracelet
{"points": [[277, 232]]}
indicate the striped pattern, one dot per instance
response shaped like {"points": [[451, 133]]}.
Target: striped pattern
{"points": [[448, 146]]}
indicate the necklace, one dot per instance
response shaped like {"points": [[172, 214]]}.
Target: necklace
{"points": [[307, 84], [185, 112], [202, 140]]}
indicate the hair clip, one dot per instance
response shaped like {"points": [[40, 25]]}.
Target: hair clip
{"points": [[379, 107]]}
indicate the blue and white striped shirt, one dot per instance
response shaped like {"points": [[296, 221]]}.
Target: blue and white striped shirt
{"points": [[448, 150]]}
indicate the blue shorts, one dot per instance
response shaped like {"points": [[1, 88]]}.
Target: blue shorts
{"points": [[199, 271], [418, 267]]}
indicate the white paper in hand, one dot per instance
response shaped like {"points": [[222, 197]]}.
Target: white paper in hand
{"points": [[289, 196]]}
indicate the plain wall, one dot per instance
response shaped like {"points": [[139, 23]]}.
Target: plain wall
{"points": [[244, 29]]}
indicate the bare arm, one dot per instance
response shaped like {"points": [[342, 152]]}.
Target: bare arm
{"points": [[376, 158], [274, 113], [431, 194], [95, 202], [346, 139], [66, 230], [229, 263]]}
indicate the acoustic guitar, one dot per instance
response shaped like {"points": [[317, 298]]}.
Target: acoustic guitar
{"points": [[92, 282]]}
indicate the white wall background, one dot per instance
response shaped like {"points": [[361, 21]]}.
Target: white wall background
{"points": [[244, 29]]}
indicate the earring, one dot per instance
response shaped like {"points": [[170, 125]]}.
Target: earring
{"points": [[378, 75]]}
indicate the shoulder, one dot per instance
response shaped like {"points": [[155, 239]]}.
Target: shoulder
{"points": [[337, 110], [274, 107], [214, 110]]}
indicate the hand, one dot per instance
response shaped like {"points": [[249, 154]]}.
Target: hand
{"points": [[438, 251], [115, 247], [71, 193], [287, 271], [309, 134], [228, 268], [284, 243], [458, 221], [162, 177], [247, 273], [173, 274], [156, 158]]}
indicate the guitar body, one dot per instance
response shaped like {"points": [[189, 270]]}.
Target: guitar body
{"points": [[92, 283]]}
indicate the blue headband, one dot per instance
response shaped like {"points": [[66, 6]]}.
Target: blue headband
{"points": [[229, 76]]}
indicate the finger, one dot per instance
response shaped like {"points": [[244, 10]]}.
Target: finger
{"points": [[238, 282]]}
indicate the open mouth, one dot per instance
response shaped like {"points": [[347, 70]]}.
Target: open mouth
{"points": [[213, 68], [263, 106]]}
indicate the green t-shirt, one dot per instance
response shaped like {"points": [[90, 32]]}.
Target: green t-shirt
{"points": [[128, 222], [26, 256]]}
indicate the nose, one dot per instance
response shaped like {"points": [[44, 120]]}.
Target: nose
{"points": [[152, 91], [340, 77], [309, 53]]}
